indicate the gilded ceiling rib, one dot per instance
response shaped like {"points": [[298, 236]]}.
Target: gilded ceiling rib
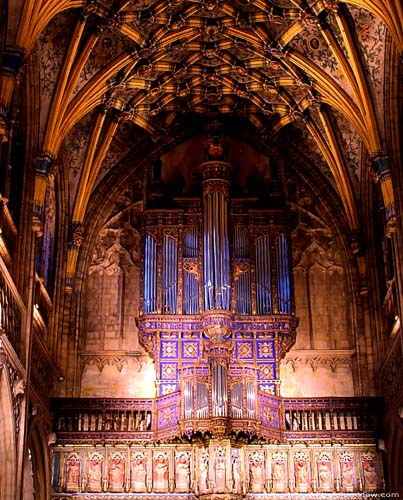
{"points": [[93, 146], [346, 192], [94, 167], [329, 150], [390, 12], [56, 111], [336, 96], [131, 33], [89, 96], [338, 53], [365, 96], [36, 15], [294, 30]]}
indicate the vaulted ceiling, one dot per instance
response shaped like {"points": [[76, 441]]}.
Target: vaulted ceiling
{"points": [[132, 77]]}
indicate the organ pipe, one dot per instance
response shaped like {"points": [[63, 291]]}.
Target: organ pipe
{"points": [[188, 400], [219, 390], [241, 243], [202, 400], [250, 400], [169, 274], [263, 276], [243, 294], [150, 275], [190, 246], [283, 276], [190, 294], [216, 251], [236, 400]]}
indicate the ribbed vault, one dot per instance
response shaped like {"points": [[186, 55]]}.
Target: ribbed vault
{"points": [[111, 65]]}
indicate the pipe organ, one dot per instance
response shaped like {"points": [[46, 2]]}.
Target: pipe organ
{"points": [[217, 303], [217, 316]]}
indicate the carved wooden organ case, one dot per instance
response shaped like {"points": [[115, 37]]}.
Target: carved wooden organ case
{"points": [[217, 308]]}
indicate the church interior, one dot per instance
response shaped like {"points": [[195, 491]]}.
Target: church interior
{"points": [[201, 249]]}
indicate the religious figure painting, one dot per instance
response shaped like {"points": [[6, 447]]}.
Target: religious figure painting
{"points": [[160, 471], [256, 472], [204, 472], [73, 472], [182, 471], [302, 476], [347, 475], [279, 475], [117, 465], [95, 471], [138, 472], [370, 475], [325, 475]]}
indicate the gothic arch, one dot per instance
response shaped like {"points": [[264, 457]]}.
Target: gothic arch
{"points": [[8, 458], [37, 444]]}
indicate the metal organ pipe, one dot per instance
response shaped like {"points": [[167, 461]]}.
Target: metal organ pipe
{"points": [[219, 391], [236, 400], [202, 400], [263, 275], [242, 292], [250, 400], [216, 249], [191, 295], [283, 275], [169, 274], [242, 280], [190, 282], [150, 275], [188, 400]]}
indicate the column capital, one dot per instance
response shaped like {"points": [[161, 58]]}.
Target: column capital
{"points": [[379, 166], [11, 61], [43, 163], [76, 235]]}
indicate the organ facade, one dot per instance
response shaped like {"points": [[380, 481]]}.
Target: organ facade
{"points": [[216, 315]]}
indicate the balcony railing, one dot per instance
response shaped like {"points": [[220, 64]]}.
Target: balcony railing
{"points": [[304, 419], [8, 232], [331, 418], [12, 312]]}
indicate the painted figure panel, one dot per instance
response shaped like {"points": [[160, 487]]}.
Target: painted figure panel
{"points": [[160, 471], [95, 471], [138, 472], [182, 471], [257, 474], [72, 474], [116, 469]]}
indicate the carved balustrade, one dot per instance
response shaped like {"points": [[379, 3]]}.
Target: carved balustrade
{"points": [[8, 232], [331, 418], [94, 418], [43, 303], [12, 312], [278, 419]]}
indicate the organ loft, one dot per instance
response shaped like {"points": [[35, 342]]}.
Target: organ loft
{"points": [[216, 319]]}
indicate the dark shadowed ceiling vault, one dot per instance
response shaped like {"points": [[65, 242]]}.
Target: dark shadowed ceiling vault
{"points": [[131, 79]]}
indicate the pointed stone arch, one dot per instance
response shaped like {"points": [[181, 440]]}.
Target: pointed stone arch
{"points": [[8, 456], [38, 445]]}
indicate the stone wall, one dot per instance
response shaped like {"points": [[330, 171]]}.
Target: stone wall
{"points": [[321, 363], [113, 363]]}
